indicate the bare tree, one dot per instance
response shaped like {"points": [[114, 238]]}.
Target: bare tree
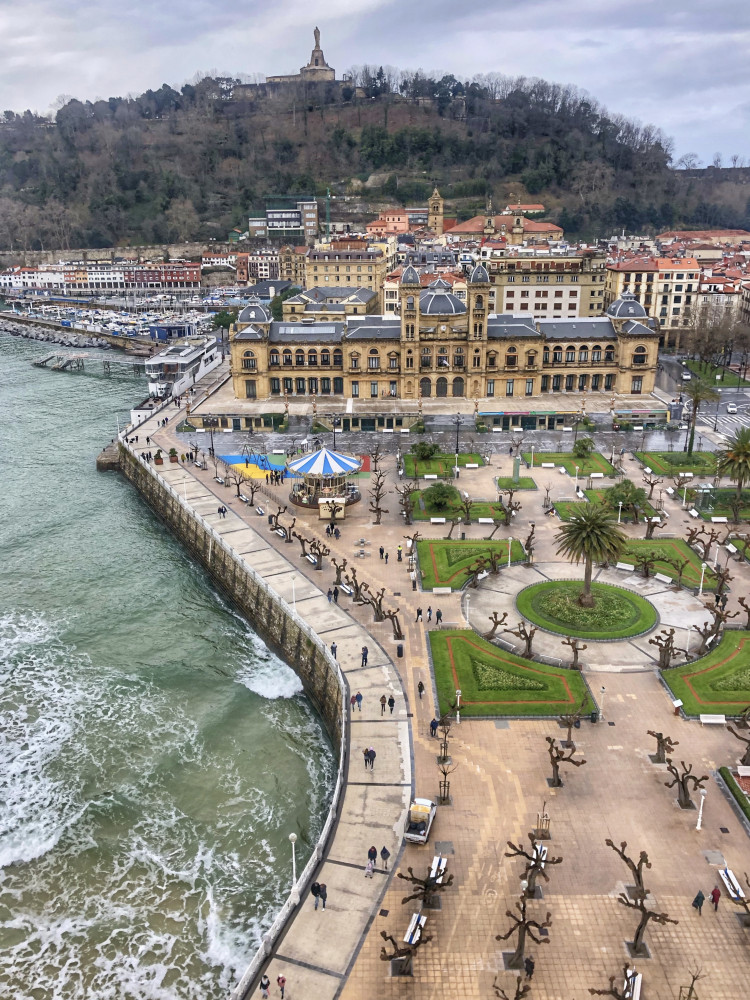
{"points": [[664, 745], [536, 863], [425, 889], [396, 625], [651, 481], [496, 623], [319, 549], [723, 579], [234, 478], [352, 581], [688, 992], [454, 524], [275, 522], [683, 782], [377, 492], [339, 567], [652, 524], [557, 757], [626, 993], [529, 544], [497, 523], [402, 953], [647, 916], [636, 868], [526, 632], [667, 649], [746, 608], [375, 455], [474, 570], [576, 649], [745, 761], [510, 506], [406, 501], [571, 719], [680, 565], [375, 600], [524, 927], [464, 507]]}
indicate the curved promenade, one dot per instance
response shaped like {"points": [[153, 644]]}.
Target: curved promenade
{"points": [[369, 807]]}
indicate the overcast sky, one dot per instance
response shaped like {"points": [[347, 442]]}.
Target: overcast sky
{"points": [[680, 64]]}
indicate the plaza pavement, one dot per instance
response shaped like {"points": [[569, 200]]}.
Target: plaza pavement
{"points": [[497, 790]]}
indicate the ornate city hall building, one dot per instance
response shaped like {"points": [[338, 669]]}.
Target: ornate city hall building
{"points": [[442, 347]]}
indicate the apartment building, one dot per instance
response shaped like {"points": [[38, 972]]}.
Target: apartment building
{"points": [[358, 268], [544, 283]]}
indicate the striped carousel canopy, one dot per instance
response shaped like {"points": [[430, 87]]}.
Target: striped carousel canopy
{"points": [[324, 463]]}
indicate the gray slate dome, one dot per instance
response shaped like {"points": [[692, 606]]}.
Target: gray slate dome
{"points": [[410, 276], [627, 307], [254, 312], [438, 300], [479, 275]]}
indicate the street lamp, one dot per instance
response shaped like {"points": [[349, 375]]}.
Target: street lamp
{"points": [[510, 549], [293, 841], [718, 400], [700, 809], [576, 485], [703, 573], [532, 456], [601, 710], [457, 422], [619, 510], [335, 421], [458, 705]]}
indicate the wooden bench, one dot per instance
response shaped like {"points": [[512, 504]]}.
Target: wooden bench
{"points": [[713, 720], [626, 566], [437, 520], [662, 578], [548, 465], [719, 520], [693, 512], [733, 886], [346, 589], [414, 930], [633, 983]]}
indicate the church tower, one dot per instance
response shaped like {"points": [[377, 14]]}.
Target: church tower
{"points": [[489, 222], [435, 209], [517, 231]]}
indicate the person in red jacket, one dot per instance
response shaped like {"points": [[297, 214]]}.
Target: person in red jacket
{"points": [[715, 897]]}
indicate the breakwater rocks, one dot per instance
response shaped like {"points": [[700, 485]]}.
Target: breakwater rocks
{"points": [[32, 331]]}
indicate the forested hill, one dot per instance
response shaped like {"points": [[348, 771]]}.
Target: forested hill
{"points": [[190, 164]]}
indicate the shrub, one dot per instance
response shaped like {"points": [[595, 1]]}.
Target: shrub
{"points": [[441, 496]]}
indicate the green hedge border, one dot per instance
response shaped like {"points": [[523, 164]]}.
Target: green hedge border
{"points": [[523, 604], [735, 791]]}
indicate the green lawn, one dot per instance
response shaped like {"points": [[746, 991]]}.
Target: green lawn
{"points": [[524, 483], [444, 563], [740, 797], [718, 683], [722, 509], [671, 548], [671, 463], [617, 613], [481, 508], [742, 547], [594, 463], [493, 682], [439, 465], [568, 508], [709, 373]]}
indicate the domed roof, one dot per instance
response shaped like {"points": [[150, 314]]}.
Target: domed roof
{"points": [[254, 312], [627, 307], [410, 276], [479, 275], [438, 300]]}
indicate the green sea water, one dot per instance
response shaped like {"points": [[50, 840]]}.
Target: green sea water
{"points": [[154, 755]]}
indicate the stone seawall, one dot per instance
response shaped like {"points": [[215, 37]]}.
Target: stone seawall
{"points": [[257, 602]]}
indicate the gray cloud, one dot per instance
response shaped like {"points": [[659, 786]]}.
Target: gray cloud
{"points": [[682, 67]]}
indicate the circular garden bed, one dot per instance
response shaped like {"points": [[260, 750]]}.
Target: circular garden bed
{"points": [[616, 614]]}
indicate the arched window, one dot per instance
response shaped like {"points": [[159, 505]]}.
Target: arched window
{"points": [[287, 357], [299, 358], [409, 301], [557, 356], [609, 353], [425, 387], [248, 360], [479, 303], [491, 360], [338, 358], [274, 358], [458, 387], [570, 353], [312, 358], [325, 357], [596, 353], [583, 355], [639, 356], [511, 358]]}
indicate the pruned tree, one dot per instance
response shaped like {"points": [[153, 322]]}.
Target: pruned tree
{"points": [[510, 506], [395, 624], [446, 768], [693, 534], [402, 953], [557, 756], [646, 561], [375, 455], [576, 649], [475, 569], [667, 649], [251, 488], [377, 492], [496, 623], [232, 477], [652, 482], [646, 917], [332, 509], [708, 541], [412, 541], [496, 523], [339, 567], [547, 503], [746, 608], [683, 782], [526, 632], [736, 504], [352, 581], [570, 719], [524, 927], [723, 579], [464, 507], [521, 991], [536, 863], [375, 600], [688, 992], [636, 868], [745, 760], [275, 522], [626, 993], [680, 566], [455, 521], [652, 524], [320, 550], [304, 542], [664, 745], [406, 501], [706, 632], [425, 889], [529, 544]]}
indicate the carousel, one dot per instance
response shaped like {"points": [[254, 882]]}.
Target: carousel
{"points": [[321, 481]]}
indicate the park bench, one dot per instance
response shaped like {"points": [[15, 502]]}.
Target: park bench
{"points": [[632, 987], [405, 430], [260, 511], [280, 532], [431, 475], [713, 720], [733, 886], [414, 930], [548, 465], [439, 865], [637, 427], [437, 520], [311, 558], [647, 470], [388, 430], [580, 494], [662, 578], [496, 430], [218, 479], [596, 475], [719, 520], [693, 512], [346, 589], [442, 590], [669, 491], [562, 470], [626, 566], [472, 465], [489, 520], [243, 498], [731, 549], [686, 475], [278, 451]]}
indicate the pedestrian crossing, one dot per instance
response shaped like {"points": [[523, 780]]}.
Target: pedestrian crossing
{"points": [[727, 423]]}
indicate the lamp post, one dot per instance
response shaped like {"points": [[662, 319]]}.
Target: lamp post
{"points": [[576, 485], [684, 498], [703, 573], [293, 841], [510, 549], [718, 400], [700, 809], [601, 710], [619, 510], [457, 422], [532, 456], [458, 705], [334, 423]]}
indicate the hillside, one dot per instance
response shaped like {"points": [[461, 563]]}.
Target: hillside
{"points": [[174, 165]]}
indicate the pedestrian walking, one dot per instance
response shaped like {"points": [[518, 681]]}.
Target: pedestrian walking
{"points": [[371, 755], [419, 615], [429, 613], [353, 701], [315, 893], [365, 652], [372, 854], [510, 450], [382, 551], [386, 558], [336, 534], [384, 855], [438, 616], [281, 983], [698, 902], [323, 894], [420, 689], [334, 649], [391, 703], [358, 699], [330, 595], [335, 595], [434, 727], [715, 897], [528, 964], [265, 986], [369, 869], [383, 703], [366, 755], [399, 553]]}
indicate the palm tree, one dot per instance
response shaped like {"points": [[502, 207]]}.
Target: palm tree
{"points": [[591, 535], [734, 459], [698, 391]]}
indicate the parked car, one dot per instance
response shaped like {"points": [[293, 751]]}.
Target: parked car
{"points": [[731, 407], [419, 821], [686, 376]]}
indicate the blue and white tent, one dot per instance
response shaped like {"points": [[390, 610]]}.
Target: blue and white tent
{"points": [[325, 463]]}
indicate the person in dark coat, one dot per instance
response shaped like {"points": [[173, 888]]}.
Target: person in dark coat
{"points": [[372, 854], [420, 689], [434, 727], [698, 902], [391, 703], [315, 892], [528, 964], [384, 855], [323, 894]]}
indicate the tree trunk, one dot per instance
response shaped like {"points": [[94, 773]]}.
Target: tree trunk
{"points": [[683, 796], [516, 961], [556, 783], [586, 598], [640, 931], [693, 419]]}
